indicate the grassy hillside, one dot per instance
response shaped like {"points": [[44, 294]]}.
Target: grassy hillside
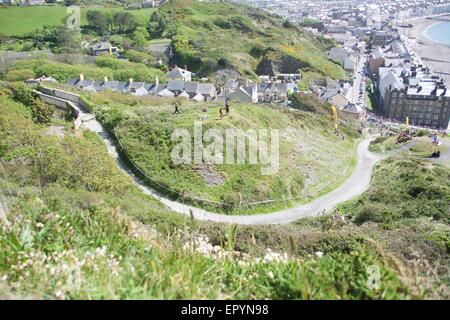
{"points": [[111, 68], [216, 35], [18, 21], [74, 227], [310, 152]]}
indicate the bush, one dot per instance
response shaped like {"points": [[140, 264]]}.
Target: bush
{"points": [[224, 62], [421, 133], [309, 103], [23, 93], [116, 40], [138, 72], [257, 51], [107, 62], [42, 112], [20, 75], [140, 57], [223, 23]]}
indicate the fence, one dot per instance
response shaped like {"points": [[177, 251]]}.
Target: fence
{"points": [[167, 191], [197, 200]]}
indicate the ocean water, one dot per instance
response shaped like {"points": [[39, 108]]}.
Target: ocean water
{"points": [[439, 32]]}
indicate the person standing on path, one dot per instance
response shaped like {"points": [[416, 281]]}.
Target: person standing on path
{"points": [[227, 107], [177, 108], [221, 113]]}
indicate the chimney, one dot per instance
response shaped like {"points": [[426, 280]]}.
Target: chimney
{"points": [[130, 81], [81, 77], [157, 81], [105, 79], [185, 67]]}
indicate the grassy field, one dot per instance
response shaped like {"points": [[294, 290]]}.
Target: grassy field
{"points": [[18, 21], [307, 145], [75, 227]]}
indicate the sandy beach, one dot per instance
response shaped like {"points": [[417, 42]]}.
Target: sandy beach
{"points": [[434, 55]]}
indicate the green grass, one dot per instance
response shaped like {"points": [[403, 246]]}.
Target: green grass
{"points": [[111, 68], [18, 21], [424, 148], [212, 35], [78, 229], [404, 188], [307, 144]]}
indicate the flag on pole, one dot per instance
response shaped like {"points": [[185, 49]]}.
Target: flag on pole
{"points": [[407, 122]]}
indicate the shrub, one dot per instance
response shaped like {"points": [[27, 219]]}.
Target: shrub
{"points": [[223, 23], [140, 57], [308, 103], [42, 112], [224, 62], [23, 93], [20, 75], [107, 62]]}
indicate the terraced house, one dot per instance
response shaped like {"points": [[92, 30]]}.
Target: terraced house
{"points": [[420, 96]]}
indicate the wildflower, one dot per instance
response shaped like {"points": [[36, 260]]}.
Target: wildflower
{"points": [[270, 275], [319, 254], [59, 294], [39, 225]]}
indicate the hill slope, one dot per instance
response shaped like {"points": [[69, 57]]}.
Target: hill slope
{"points": [[307, 145], [209, 36], [74, 227]]}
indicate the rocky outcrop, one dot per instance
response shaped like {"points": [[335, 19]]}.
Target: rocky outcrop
{"points": [[280, 63]]}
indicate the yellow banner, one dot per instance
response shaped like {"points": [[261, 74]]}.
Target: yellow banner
{"points": [[335, 116]]}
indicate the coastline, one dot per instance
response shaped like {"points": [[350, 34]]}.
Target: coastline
{"points": [[432, 53], [425, 33]]}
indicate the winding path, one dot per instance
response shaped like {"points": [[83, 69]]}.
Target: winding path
{"points": [[356, 184]]}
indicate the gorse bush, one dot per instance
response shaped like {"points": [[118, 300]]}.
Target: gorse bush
{"points": [[404, 189]]}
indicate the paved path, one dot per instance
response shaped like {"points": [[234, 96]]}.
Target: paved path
{"points": [[356, 184]]}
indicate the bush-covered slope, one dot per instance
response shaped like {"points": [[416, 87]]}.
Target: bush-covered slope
{"points": [[209, 36], [71, 228]]}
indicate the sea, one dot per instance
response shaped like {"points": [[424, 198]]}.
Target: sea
{"points": [[439, 32]]}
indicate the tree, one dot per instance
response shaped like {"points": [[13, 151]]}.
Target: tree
{"points": [[157, 24], [125, 22], [140, 37], [62, 37], [98, 22]]}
